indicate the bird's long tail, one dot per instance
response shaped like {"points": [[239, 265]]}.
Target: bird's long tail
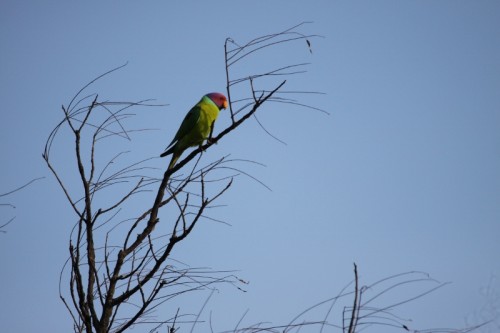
{"points": [[175, 156], [173, 161], [167, 152]]}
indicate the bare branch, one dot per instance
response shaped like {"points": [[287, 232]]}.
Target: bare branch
{"points": [[355, 307], [20, 187]]}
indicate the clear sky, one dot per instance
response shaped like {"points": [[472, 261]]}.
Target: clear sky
{"points": [[403, 175]]}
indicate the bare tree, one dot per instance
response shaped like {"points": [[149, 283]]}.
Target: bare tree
{"points": [[120, 262]]}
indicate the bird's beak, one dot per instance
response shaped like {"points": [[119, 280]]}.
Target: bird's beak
{"points": [[224, 105]]}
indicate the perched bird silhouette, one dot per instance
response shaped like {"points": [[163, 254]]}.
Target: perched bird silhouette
{"points": [[197, 126]]}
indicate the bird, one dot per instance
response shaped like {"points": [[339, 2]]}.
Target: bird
{"points": [[197, 126]]}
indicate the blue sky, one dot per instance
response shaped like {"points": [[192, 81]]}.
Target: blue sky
{"points": [[401, 176]]}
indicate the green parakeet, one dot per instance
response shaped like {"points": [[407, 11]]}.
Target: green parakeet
{"points": [[197, 126]]}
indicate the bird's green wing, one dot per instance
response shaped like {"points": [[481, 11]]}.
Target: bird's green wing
{"points": [[187, 124]]}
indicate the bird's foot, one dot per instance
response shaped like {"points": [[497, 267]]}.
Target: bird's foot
{"points": [[211, 141]]}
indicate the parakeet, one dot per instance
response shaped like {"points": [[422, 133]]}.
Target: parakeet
{"points": [[197, 126]]}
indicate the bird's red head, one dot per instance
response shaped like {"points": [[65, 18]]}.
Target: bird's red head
{"points": [[219, 99]]}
